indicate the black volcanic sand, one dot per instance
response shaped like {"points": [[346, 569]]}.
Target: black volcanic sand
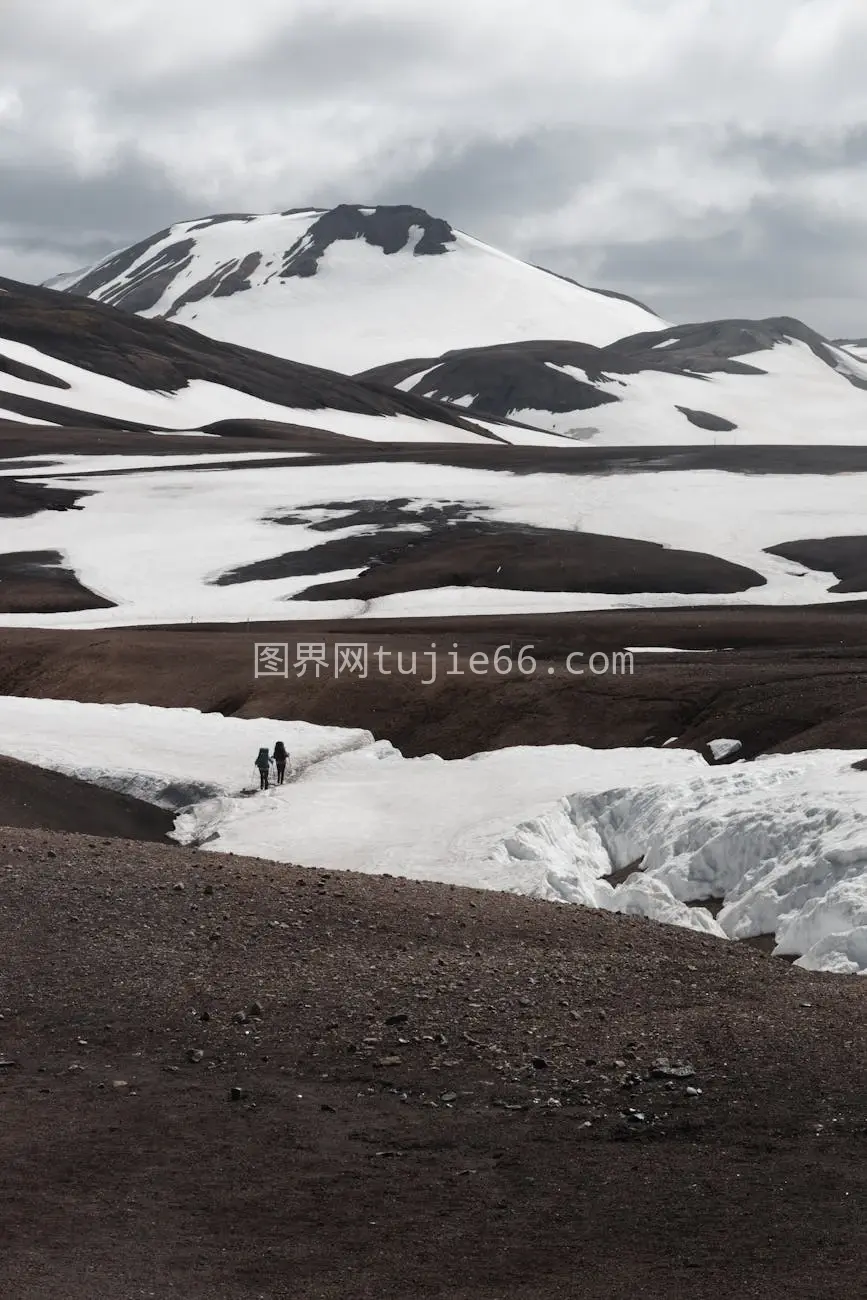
{"points": [[228, 1079], [779, 680], [41, 800], [36, 582]]}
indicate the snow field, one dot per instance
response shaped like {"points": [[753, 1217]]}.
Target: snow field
{"points": [[153, 541], [781, 840]]}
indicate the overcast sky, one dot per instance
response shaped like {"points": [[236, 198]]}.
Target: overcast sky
{"points": [[706, 156]]}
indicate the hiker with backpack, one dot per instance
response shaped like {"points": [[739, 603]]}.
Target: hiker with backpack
{"points": [[280, 760], [263, 762]]}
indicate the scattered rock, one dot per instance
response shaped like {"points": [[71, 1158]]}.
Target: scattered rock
{"points": [[389, 1060], [539, 1063], [257, 1011], [195, 1054], [449, 1096], [237, 1094], [662, 1068], [180, 887], [399, 1018]]}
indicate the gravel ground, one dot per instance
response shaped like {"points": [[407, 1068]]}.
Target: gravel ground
{"points": [[221, 1078]]}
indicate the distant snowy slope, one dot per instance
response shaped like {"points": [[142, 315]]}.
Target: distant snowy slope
{"points": [[730, 381], [67, 361], [855, 347], [350, 288], [314, 538]]}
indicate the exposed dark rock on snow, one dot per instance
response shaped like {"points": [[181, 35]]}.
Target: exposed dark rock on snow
{"points": [[389, 227], [231, 277], [178, 272], [109, 269], [159, 356], [704, 420], [36, 582], [380, 514], [557, 375], [22, 497], [480, 554], [18, 370], [845, 557], [510, 377]]}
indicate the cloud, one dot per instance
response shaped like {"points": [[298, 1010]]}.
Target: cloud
{"points": [[703, 155]]}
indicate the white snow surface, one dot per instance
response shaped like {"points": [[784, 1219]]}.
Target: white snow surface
{"points": [[153, 540], [798, 400], [364, 307], [783, 840], [200, 402]]}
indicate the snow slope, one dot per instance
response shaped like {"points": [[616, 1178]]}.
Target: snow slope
{"points": [[154, 541], [723, 382], [67, 362], [782, 840], [349, 288], [201, 402]]}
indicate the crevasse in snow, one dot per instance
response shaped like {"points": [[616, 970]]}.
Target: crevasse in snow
{"points": [[781, 840]]}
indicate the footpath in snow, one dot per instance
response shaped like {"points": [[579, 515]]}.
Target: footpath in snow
{"points": [[782, 841]]}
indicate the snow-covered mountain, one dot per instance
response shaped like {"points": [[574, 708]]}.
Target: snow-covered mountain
{"points": [[350, 287], [857, 347], [66, 361], [731, 381]]}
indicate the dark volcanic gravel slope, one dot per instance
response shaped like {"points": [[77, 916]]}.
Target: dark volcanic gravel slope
{"points": [[157, 355], [223, 1078], [36, 798], [779, 679]]}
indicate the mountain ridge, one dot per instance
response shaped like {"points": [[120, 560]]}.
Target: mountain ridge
{"points": [[345, 287]]}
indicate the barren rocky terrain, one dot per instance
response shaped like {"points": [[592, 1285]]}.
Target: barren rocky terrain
{"points": [[224, 1078], [778, 680]]}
